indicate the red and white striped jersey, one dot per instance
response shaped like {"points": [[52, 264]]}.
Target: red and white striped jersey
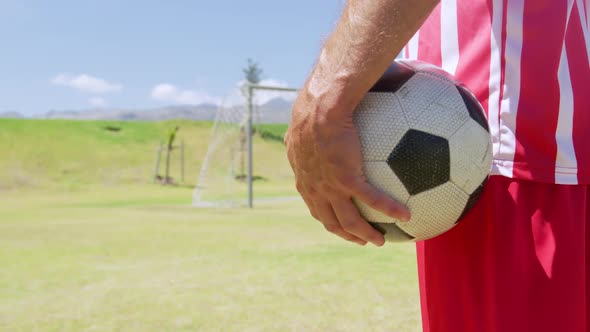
{"points": [[527, 61]]}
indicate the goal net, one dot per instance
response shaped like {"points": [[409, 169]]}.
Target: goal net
{"points": [[225, 180]]}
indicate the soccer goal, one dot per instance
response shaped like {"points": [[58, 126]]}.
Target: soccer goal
{"points": [[245, 149]]}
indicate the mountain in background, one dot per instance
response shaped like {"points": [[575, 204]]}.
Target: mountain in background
{"points": [[198, 112], [11, 115], [277, 110]]}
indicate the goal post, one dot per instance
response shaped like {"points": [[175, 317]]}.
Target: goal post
{"points": [[249, 90], [228, 169]]}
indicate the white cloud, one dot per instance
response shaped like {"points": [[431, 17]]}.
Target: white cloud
{"points": [[169, 93], [86, 83], [97, 102]]}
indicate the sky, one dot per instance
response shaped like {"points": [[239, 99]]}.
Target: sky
{"points": [[84, 54]]}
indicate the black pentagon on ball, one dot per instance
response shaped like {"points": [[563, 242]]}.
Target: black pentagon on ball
{"points": [[476, 112], [421, 161], [396, 75], [473, 198]]}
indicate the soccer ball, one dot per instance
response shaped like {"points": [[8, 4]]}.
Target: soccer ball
{"points": [[425, 142]]}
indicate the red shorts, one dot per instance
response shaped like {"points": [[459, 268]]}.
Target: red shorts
{"points": [[517, 262]]}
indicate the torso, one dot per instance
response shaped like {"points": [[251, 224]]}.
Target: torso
{"points": [[528, 64]]}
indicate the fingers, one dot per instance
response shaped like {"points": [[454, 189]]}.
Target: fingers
{"points": [[340, 216], [353, 223], [311, 207], [325, 215], [380, 201], [331, 223]]}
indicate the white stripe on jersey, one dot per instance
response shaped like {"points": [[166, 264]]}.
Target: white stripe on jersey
{"points": [[511, 88], [413, 46], [566, 154], [495, 74], [449, 36], [583, 19]]}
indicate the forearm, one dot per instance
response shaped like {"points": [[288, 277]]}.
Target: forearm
{"points": [[322, 144], [367, 38]]}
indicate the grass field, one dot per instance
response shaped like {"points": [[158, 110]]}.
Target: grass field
{"points": [[100, 248]]}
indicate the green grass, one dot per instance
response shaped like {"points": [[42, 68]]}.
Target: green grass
{"points": [[101, 248], [274, 132], [141, 259]]}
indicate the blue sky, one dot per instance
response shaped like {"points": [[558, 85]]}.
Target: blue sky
{"points": [[140, 54]]}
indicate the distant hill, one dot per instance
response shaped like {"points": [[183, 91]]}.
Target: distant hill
{"points": [[11, 115], [75, 154], [277, 110]]}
